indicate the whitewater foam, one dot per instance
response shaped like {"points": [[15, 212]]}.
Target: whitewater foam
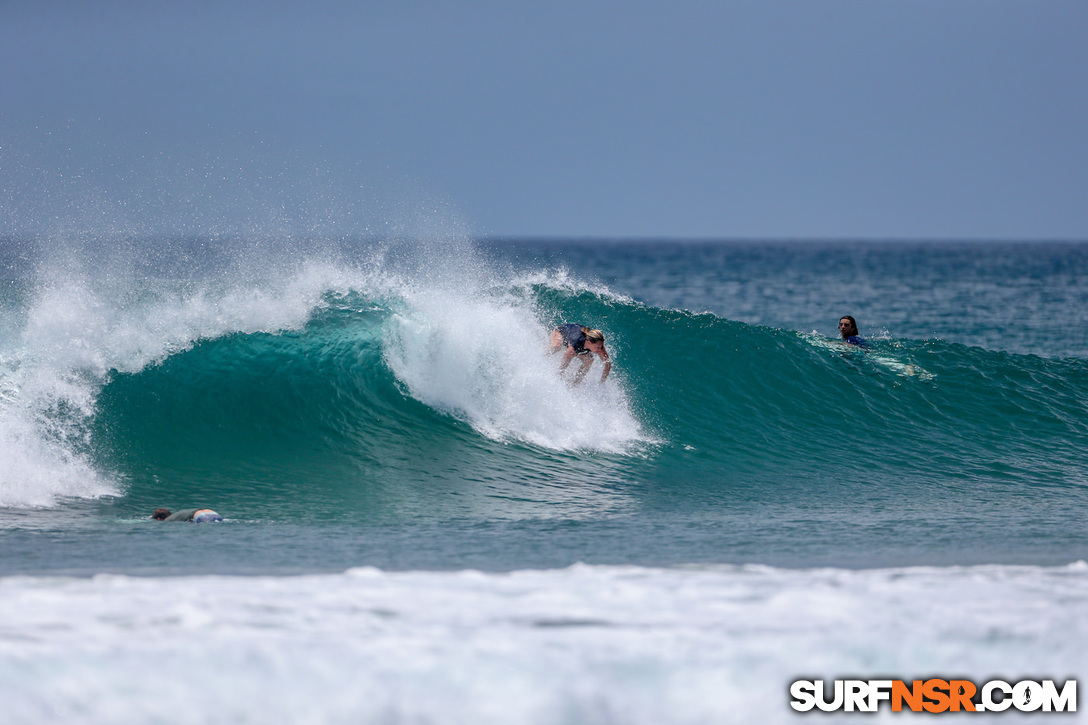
{"points": [[484, 359], [586, 644]]}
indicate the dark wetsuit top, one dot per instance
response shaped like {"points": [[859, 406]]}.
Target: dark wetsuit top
{"points": [[574, 337], [855, 340], [183, 515]]}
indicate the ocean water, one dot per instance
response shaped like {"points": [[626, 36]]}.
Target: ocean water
{"points": [[426, 524]]}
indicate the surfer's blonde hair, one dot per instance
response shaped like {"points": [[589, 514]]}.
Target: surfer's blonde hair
{"points": [[593, 335]]}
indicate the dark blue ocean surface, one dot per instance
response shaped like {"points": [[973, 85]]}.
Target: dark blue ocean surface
{"points": [[358, 403], [1029, 297]]}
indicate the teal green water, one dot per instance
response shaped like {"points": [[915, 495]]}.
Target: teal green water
{"points": [[751, 442], [733, 405]]}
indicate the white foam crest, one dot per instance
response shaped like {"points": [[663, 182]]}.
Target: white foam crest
{"points": [[95, 329], [483, 359], [561, 279]]}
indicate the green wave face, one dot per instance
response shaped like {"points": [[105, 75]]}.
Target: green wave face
{"points": [[440, 406]]}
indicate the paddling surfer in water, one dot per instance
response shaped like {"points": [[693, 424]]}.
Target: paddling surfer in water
{"points": [[195, 515], [581, 342], [848, 328]]}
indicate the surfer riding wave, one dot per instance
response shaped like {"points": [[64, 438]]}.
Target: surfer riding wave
{"points": [[583, 342]]}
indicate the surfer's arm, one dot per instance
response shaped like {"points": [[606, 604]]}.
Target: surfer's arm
{"points": [[581, 374], [607, 365], [567, 356]]}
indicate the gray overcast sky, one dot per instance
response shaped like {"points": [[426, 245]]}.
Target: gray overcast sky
{"points": [[769, 118]]}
